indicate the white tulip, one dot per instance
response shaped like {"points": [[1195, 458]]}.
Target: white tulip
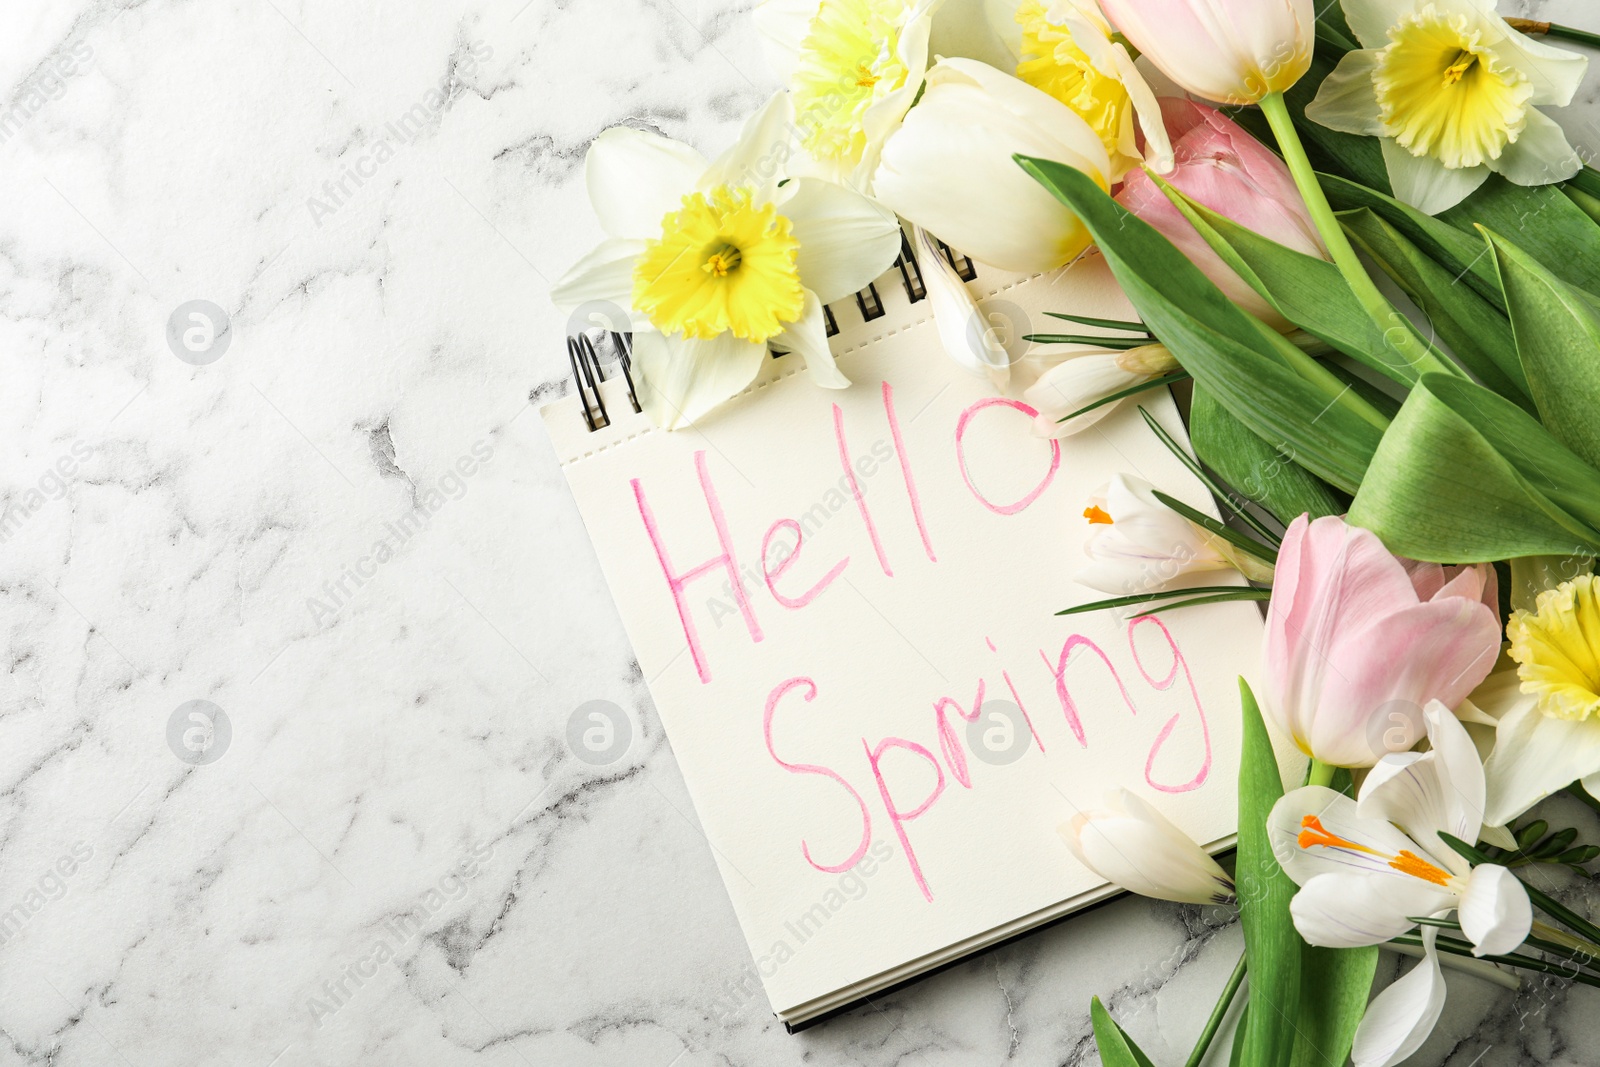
{"points": [[949, 168], [1131, 844]]}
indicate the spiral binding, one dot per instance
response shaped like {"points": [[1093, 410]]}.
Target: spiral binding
{"points": [[588, 371]]}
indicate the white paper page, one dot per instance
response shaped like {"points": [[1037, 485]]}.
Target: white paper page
{"points": [[853, 833]]}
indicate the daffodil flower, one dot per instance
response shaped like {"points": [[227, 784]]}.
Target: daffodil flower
{"points": [[1136, 544], [1453, 93], [853, 67], [1129, 843], [1368, 868], [711, 262], [1547, 709]]}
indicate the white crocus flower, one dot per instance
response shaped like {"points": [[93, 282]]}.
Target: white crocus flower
{"points": [[1137, 544], [1368, 868], [965, 333], [710, 262], [1453, 93], [1131, 844], [1085, 377], [853, 67]]}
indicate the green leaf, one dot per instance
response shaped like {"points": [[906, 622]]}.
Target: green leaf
{"points": [[1465, 476], [1212, 526], [1104, 324], [1113, 343], [1242, 593], [1586, 202], [1547, 225], [1335, 984], [1476, 332], [1257, 470], [1164, 594], [1224, 497], [1278, 391], [1306, 290], [1271, 945], [1116, 1047], [1123, 394], [1236, 1057], [1458, 253], [1557, 329]]}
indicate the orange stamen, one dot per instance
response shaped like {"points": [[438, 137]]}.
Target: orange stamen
{"points": [[1097, 515], [1312, 833], [1410, 863]]}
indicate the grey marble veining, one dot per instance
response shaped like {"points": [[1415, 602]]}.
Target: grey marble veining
{"points": [[348, 533]]}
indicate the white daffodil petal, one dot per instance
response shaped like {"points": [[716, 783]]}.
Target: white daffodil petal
{"points": [[846, 240], [1371, 842], [1439, 790], [681, 379], [1494, 911], [1555, 72], [809, 338], [1534, 756], [636, 179], [1369, 20], [977, 29], [1400, 1018], [603, 277], [1425, 183], [1354, 909], [783, 25], [1157, 145], [1541, 154], [1346, 100], [963, 332], [756, 160]]}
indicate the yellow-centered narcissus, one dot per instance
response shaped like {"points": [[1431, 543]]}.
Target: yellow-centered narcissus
{"points": [[706, 263], [1453, 93]]}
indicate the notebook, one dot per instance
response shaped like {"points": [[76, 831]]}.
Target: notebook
{"points": [[844, 605]]}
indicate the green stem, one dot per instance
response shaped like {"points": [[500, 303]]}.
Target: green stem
{"points": [[1321, 773], [1567, 33], [1218, 1013], [1527, 963], [1396, 333]]}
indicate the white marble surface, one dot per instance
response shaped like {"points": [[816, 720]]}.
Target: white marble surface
{"points": [[178, 532]]}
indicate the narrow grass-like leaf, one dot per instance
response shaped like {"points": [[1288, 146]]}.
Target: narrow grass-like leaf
{"points": [[1258, 471], [1272, 946], [1217, 598], [1117, 343], [1104, 324], [1210, 525], [1557, 329], [1122, 394], [1221, 492], [1163, 594], [1274, 388]]}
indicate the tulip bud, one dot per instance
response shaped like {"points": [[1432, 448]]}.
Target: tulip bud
{"points": [[949, 167], [1219, 165], [1357, 645], [1234, 53], [1131, 844]]}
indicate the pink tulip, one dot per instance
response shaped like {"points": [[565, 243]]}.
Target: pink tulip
{"points": [[1221, 166], [1357, 644]]}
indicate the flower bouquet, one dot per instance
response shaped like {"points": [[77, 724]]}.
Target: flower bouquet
{"points": [[1375, 261]]}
